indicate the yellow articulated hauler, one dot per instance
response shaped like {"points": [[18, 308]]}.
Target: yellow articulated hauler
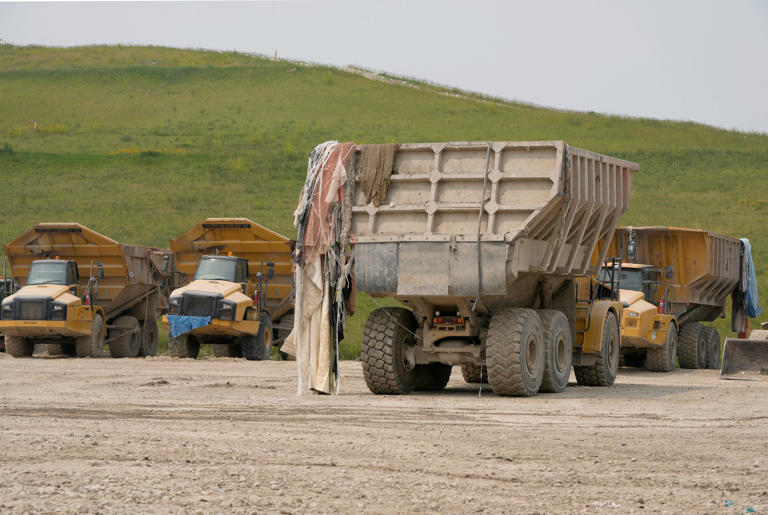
{"points": [[240, 283], [81, 291]]}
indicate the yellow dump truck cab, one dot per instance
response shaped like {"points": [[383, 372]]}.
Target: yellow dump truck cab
{"points": [[239, 283], [648, 333], [52, 308]]}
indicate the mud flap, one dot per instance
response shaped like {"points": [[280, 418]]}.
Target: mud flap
{"points": [[743, 357]]}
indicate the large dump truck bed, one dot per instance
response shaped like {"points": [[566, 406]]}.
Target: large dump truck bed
{"points": [[243, 238], [130, 271], [546, 205], [704, 266]]}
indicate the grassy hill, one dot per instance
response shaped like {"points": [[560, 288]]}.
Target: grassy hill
{"points": [[141, 143]]}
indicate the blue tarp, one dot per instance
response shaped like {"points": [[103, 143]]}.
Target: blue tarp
{"points": [[184, 324], [749, 286]]}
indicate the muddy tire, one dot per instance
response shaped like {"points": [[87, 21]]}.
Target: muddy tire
{"points": [[558, 350], [258, 347], [60, 349], [662, 358], [387, 336], [127, 343], [432, 377], [184, 346], [227, 350], [692, 346], [603, 372], [474, 373], [92, 346], [149, 339], [514, 350], [712, 339], [19, 347]]}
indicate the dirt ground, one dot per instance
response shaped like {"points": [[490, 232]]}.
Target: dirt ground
{"points": [[168, 435]]}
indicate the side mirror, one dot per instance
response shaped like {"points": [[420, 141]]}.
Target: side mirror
{"points": [[270, 271], [100, 272]]}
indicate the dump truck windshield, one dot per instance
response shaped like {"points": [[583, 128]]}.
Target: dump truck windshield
{"points": [[48, 273], [216, 269], [631, 278]]}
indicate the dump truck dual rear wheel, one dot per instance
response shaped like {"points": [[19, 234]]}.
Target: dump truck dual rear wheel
{"points": [[663, 357], [389, 365], [184, 346], [692, 346], [558, 350], [127, 341], [712, 342], [514, 350], [257, 347], [93, 345], [19, 347], [282, 334], [149, 338], [603, 372], [474, 373]]}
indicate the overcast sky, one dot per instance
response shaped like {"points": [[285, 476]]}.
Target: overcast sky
{"points": [[704, 60]]}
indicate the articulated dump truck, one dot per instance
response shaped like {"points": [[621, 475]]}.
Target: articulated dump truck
{"points": [[488, 246], [672, 279], [81, 290], [240, 276]]}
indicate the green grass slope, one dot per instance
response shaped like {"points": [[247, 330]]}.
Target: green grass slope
{"points": [[141, 143]]}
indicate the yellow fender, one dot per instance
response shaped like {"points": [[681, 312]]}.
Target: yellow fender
{"points": [[592, 339]]}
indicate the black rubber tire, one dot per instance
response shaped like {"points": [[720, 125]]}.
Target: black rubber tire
{"points": [[474, 373], [19, 347], [60, 349], [432, 377], [712, 337], [514, 350], [92, 346], [128, 344], [149, 338], [258, 347], [227, 350], [387, 334], [692, 346], [285, 320], [662, 358], [558, 350], [184, 346], [603, 372]]}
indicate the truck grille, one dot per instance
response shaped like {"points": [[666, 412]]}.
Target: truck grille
{"points": [[198, 306], [31, 310]]}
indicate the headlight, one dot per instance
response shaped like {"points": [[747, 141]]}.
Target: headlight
{"points": [[227, 310], [174, 305], [58, 311], [7, 312], [632, 314]]}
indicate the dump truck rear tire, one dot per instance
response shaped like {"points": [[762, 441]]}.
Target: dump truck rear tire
{"points": [[474, 373], [432, 377], [60, 349], [149, 339], [92, 346], [127, 343], [258, 347], [282, 334], [514, 350], [662, 358], [19, 347], [388, 334], [558, 350], [713, 347], [227, 350], [603, 372], [184, 346], [692, 346]]}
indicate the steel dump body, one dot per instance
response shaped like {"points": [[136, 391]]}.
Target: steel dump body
{"points": [[705, 266], [546, 206], [132, 273], [245, 239]]}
